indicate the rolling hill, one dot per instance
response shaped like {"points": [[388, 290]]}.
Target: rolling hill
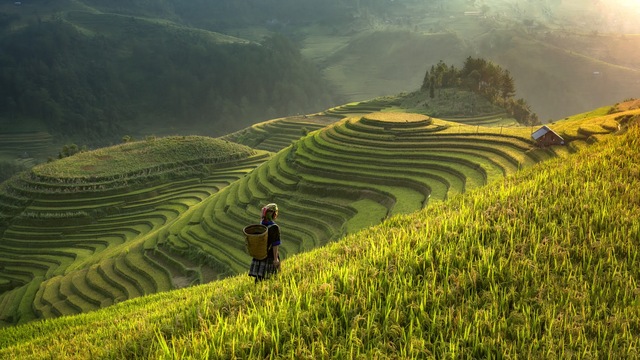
{"points": [[87, 216], [159, 214], [541, 263], [91, 75]]}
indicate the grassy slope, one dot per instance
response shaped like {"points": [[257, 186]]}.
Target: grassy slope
{"points": [[124, 195], [542, 264], [321, 180], [141, 155], [131, 230]]}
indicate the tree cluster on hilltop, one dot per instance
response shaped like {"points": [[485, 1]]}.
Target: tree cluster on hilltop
{"points": [[484, 78]]}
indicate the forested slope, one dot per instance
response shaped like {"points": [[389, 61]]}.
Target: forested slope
{"points": [[91, 77]]}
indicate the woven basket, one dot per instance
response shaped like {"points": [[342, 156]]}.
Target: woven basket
{"points": [[256, 238]]}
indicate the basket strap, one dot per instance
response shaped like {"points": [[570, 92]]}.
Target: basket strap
{"points": [[269, 246]]}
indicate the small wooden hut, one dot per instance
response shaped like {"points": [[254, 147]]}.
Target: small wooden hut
{"points": [[547, 137]]}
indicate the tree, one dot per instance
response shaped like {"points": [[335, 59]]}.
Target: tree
{"points": [[473, 80], [521, 111], [68, 150], [484, 78], [12, 107], [426, 81], [507, 85]]}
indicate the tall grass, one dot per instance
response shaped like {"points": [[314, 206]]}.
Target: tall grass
{"points": [[541, 265]]}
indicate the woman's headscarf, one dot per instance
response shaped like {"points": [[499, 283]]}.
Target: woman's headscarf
{"points": [[268, 211]]}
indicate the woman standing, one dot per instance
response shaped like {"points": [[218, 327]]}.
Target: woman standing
{"points": [[263, 269]]}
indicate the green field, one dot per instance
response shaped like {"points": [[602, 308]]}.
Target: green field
{"points": [[151, 216], [76, 233], [542, 263]]}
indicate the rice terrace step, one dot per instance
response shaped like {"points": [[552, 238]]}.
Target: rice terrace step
{"points": [[106, 233]]}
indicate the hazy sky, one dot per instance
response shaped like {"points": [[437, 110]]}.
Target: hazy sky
{"points": [[612, 16], [620, 15]]}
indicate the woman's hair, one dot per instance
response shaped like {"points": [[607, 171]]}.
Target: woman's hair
{"points": [[268, 211]]}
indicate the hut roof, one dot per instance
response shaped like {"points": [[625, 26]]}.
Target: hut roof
{"points": [[542, 132]]}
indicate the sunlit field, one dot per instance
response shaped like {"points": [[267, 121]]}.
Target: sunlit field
{"points": [[538, 265]]}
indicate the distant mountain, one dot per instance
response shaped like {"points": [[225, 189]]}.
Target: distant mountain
{"points": [[92, 71], [93, 77]]}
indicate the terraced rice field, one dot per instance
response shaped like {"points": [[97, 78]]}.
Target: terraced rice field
{"points": [[275, 135], [26, 148], [363, 107], [497, 119], [73, 244], [68, 247], [33, 143], [348, 176]]}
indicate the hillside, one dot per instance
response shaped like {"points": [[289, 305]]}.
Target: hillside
{"points": [[87, 217], [362, 169], [160, 214], [91, 76], [92, 71], [549, 47], [277, 134], [543, 263]]}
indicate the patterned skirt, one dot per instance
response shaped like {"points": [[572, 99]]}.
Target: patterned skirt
{"points": [[263, 269]]}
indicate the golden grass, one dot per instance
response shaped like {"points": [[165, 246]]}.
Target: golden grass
{"points": [[396, 117], [628, 105], [591, 123]]}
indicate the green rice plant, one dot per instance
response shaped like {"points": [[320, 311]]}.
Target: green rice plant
{"points": [[11, 301], [50, 301], [76, 294], [181, 272], [582, 126], [493, 120], [274, 135], [318, 206], [465, 166], [8, 303], [432, 171], [107, 271], [465, 170], [110, 294], [142, 284], [408, 189], [510, 270], [151, 272], [23, 268], [362, 107]]}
